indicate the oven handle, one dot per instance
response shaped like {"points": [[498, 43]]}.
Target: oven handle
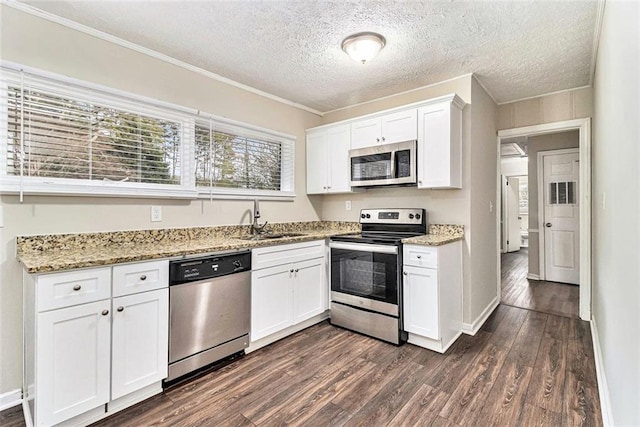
{"points": [[365, 247]]}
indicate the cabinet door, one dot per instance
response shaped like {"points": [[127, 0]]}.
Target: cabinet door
{"points": [[339, 141], [399, 127], [309, 289], [317, 162], [140, 341], [439, 146], [365, 133], [72, 361], [421, 314], [271, 300]]}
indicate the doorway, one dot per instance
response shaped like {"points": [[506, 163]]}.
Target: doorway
{"points": [[525, 267]]}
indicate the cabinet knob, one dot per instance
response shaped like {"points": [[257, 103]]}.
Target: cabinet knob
{"points": [[405, 273], [419, 256], [296, 270], [383, 138], [291, 271], [120, 309], [77, 287], [143, 277], [105, 312], [419, 182], [377, 139]]}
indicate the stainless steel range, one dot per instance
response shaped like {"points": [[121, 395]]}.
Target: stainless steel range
{"points": [[366, 273]]}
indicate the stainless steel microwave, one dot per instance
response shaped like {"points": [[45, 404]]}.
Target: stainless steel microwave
{"points": [[389, 164]]}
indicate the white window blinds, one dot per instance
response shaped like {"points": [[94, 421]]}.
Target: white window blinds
{"points": [[65, 138]]}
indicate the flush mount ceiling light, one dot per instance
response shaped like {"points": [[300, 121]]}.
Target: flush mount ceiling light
{"points": [[363, 47]]}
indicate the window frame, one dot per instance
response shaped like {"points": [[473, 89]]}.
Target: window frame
{"points": [[128, 102]]}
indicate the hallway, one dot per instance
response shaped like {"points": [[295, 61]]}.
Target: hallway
{"points": [[538, 295]]}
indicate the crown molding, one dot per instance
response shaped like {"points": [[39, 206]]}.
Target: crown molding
{"points": [[149, 52], [545, 94], [596, 40]]}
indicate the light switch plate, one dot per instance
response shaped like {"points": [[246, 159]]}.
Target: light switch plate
{"points": [[347, 205], [156, 213]]}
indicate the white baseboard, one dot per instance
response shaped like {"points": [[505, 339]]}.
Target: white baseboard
{"points": [[533, 276], [10, 399], [603, 387], [473, 328]]}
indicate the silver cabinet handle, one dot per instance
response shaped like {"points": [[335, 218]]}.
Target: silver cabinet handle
{"points": [[105, 312], [548, 224], [143, 277], [120, 309], [77, 287]]}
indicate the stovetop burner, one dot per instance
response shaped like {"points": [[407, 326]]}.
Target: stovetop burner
{"points": [[387, 226]]}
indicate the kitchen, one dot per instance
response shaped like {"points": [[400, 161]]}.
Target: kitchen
{"points": [[469, 206]]}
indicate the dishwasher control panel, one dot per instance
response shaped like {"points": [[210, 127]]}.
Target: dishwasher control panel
{"points": [[208, 267]]}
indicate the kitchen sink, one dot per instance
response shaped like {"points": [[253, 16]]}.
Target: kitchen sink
{"points": [[271, 236]]}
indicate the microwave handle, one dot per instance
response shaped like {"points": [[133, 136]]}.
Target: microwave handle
{"points": [[393, 164]]}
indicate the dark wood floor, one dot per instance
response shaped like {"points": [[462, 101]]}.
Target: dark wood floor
{"points": [[522, 368], [539, 295]]}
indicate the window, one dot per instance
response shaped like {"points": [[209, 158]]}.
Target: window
{"points": [[61, 137], [523, 199]]}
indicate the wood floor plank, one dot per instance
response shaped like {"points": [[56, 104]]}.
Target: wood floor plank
{"points": [[144, 413], [506, 400], [330, 415], [12, 417], [422, 409], [525, 347], [533, 416], [384, 406], [546, 388], [581, 402], [580, 352]]}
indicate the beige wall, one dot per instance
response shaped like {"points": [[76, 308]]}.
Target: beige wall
{"points": [[42, 44], [555, 141], [484, 205], [616, 229], [568, 105]]}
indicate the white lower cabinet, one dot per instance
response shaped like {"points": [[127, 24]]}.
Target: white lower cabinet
{"points": [[72, 361], [90, 350], [432, 295], [288, 294], [139, 345]]}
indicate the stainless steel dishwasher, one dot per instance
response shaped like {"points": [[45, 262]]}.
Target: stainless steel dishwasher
{"points": [[209, 310]]}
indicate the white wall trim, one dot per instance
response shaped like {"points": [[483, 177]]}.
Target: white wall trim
{"points": [[596, 40], [533, 276], [545, 94], [149, 52], [584, 128], [10, 399], [603, 386], [473, 327], [541, 203]]}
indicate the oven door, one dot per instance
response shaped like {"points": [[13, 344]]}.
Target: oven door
{"points": [[366, 276]]}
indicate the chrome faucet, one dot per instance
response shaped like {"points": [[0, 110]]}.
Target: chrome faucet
{"points": [[256, 228]]}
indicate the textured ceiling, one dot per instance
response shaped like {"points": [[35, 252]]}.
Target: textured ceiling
{"points": [[291, 49]]}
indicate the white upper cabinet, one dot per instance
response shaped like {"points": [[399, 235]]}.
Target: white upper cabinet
{"points": [[387, 129], [328, 160], [440, 144]]}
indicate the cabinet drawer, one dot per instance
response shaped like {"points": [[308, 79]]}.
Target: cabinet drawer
{"points": [[421, 256], [284, 254], [57, 290], [140, 277]]}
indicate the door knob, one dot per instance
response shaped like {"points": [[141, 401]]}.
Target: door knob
{"points": [[548, 224]]}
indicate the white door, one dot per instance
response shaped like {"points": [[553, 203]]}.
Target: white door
{"points": [[339, 167], [399, 127], [317, 162], [512, 217], [271, 300], [561, 221], [309, 289], [365, 133], [140, 343], [420, 299], [72, 366]]}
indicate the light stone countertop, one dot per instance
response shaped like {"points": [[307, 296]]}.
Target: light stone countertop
{"points": [[439, 234]]}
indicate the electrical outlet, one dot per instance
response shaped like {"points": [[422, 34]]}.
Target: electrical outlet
{"points": [[490, 206], [156, 213], [347, 205]]}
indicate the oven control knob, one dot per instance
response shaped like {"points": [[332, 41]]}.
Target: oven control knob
{"points": [[362, 216], [237, 264], [417, 216], [368, 215], [410, 216]]}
